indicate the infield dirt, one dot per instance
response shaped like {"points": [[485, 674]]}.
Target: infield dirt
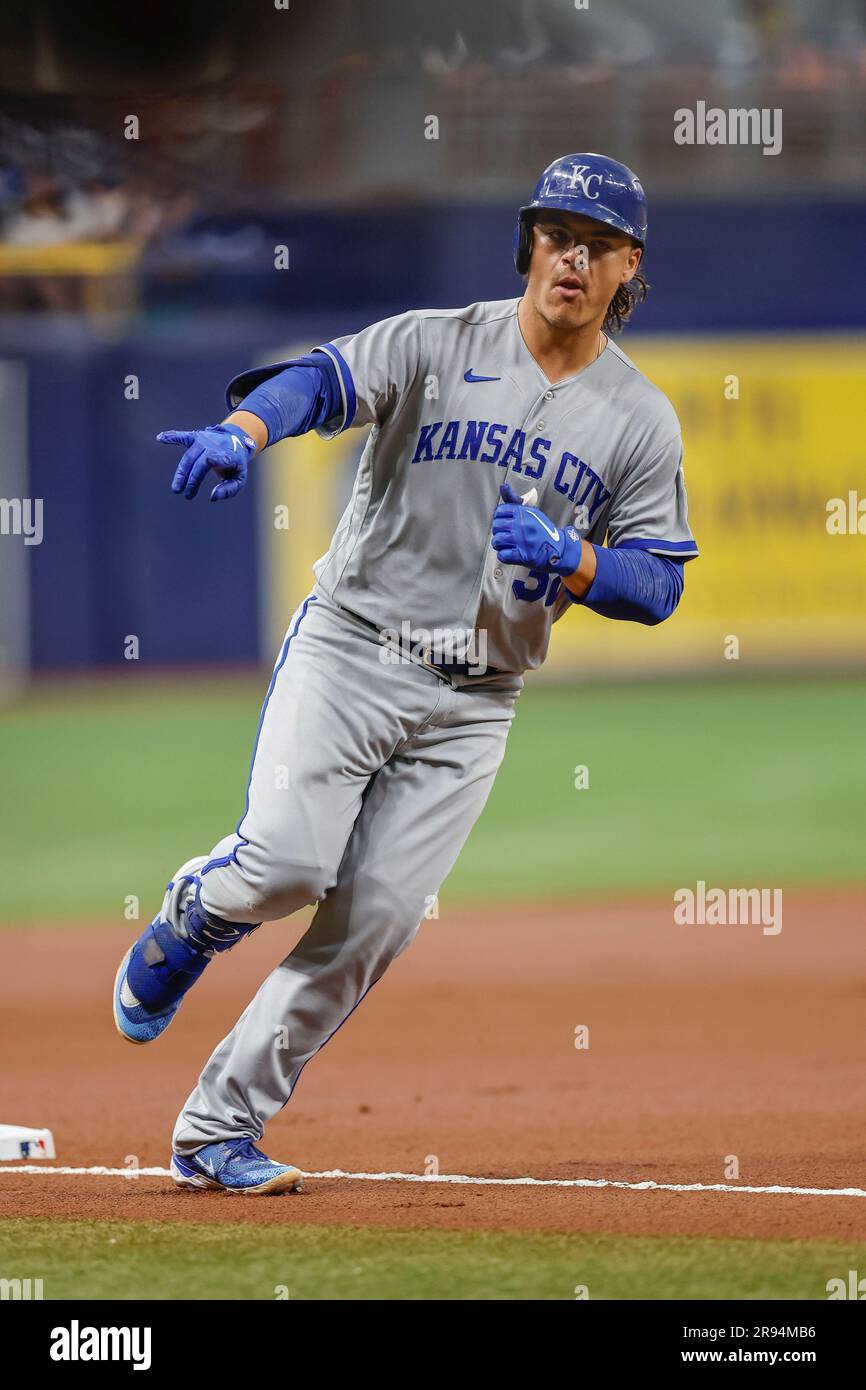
{"points": [[704, 1042]]}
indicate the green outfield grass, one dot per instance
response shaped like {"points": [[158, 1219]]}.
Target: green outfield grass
{"points": [[153, 1260], [107, 789]]}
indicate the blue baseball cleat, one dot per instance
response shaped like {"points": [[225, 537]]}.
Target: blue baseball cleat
{"points": [[235, 1165], [166, 960]]}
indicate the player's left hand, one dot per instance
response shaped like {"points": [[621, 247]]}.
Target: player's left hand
{"points": [[526, 536]]}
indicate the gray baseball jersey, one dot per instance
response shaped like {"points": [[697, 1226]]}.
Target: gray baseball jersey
{"points": [[457, 405]]}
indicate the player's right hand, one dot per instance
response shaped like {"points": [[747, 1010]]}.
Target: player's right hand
{"points": [[227, 449]]}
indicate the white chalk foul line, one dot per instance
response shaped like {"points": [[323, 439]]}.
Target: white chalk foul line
{"points": [[461, 1178], [43, 1170], [645, 1186]]}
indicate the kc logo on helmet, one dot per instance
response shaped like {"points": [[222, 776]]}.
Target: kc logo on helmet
{"points": [[578, 178]]}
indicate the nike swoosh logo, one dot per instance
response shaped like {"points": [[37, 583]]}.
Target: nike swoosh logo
{"points": [[470, 376], [554, 534]]}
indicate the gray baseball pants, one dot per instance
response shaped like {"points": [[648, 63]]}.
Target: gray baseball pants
{"points": [[367, 777]]}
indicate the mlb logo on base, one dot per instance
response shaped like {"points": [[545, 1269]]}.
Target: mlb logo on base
{"points": [[19, 1141]]}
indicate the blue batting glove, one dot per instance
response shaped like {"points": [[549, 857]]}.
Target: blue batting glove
{"points": [[526, 536], [227, 449]]}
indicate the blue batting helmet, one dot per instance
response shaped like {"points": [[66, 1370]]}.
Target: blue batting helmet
{"points": [[592, 185]]}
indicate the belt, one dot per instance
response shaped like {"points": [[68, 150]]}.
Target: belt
{"points": [[442, 668], [462, 668]]}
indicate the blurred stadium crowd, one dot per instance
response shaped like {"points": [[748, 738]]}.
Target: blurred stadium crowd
{"points": [[322, 106]]}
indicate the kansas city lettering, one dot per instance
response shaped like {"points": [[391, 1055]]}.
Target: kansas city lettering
{"points": [[485, 441]]}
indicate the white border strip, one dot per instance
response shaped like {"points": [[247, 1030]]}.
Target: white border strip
{"points": [[461, 1178]]}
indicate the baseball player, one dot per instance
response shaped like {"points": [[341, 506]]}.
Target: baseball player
{"points": [[518, 464]]}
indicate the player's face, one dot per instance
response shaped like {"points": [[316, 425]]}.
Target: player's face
{"points": [[576, 267]]}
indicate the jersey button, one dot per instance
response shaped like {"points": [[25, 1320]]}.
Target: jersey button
{"points": [[498, 572], [548, 395], [539, 424]]}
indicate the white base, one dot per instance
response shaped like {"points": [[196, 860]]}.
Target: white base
{"points": [[17, 1142]]}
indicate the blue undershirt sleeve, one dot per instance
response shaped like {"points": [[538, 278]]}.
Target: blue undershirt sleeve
{"points": [[303, 396], [634, 586]]}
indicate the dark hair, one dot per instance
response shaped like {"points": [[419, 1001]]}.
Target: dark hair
{"points": [[620, 308]]}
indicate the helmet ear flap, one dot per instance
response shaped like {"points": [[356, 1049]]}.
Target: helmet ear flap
{"points": [[524, 243]]}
